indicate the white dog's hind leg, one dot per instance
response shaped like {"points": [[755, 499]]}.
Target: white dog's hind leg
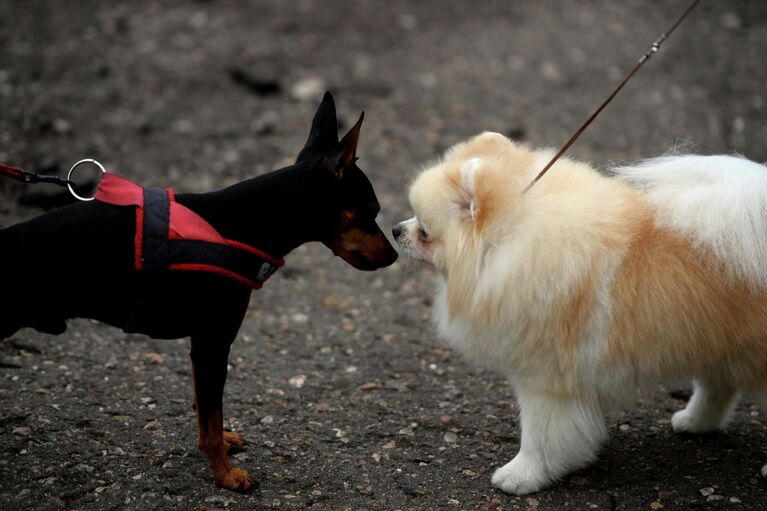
{"points": [[708, 409], [558, 436]]}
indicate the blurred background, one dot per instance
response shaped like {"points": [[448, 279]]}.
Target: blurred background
{"points": [[201, 94]]}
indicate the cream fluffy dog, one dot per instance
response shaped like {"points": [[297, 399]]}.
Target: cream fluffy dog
{"points": [[587, 287]]}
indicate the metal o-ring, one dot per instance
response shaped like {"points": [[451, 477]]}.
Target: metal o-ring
{"points": [[69, 177]]}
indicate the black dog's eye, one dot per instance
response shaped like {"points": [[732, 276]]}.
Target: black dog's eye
{"points": [[423, 234]]}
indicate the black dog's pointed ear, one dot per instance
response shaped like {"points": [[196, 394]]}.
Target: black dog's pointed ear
{"points": [[346, 152], [324, 133]]}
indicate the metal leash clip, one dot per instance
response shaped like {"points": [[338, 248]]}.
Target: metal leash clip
{"points": [[69, 178]]}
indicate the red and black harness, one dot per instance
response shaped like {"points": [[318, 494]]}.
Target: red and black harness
{"points": [[170, 236]]}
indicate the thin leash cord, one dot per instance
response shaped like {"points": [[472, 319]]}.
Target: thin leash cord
{"points": [[652, 51]]}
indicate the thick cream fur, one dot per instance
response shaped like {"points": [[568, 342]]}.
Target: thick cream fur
{"points": [[587, 287]]}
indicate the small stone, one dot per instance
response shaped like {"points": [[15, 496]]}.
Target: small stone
{"points": [[297, 381], [715, 497], [21, 431], [468, 472], [322, 407], [624, 427], [656, 505], [308, 88], [368, 386], [350, 369], [269, 419], [735, 500], [550, 71], [731, 21], [61, 126], [155, 358], [454, 502], [217, 500], [580, 481], [407, 22], [533, 503], [450, 437], [151, 425], [300, 318], [707, 491]]}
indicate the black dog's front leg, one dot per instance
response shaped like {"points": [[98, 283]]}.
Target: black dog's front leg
{"points": [[209, 367]]}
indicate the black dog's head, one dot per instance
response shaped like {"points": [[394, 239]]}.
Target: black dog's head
{"points": [[345, 205]]}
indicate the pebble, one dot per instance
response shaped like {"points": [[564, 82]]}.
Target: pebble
{"points": [[155, 358], [368, 386], [297, 381], [217, 500], [656, 505], [269, 419], [450, 437], [580, 481], [731, 21], [707, 491], [308, 88]]}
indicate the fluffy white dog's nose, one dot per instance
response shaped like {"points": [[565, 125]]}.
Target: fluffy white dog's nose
{"points": [[397, 231]]}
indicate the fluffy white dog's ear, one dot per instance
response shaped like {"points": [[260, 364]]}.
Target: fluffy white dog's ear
{"points": [[468, 191]]}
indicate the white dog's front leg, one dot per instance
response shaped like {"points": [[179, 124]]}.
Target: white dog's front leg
{"points": [[558, 435]]}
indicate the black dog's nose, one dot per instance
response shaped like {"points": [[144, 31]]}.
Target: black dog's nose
{"points": [[396, 231]]}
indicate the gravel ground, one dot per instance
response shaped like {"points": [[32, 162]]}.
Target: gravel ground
{"points": [[345, 395]]}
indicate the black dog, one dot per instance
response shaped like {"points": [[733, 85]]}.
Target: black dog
{"points": [[323, 197]]}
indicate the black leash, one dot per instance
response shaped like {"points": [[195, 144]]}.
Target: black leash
{"points": [[652, 51], [30, 177]]}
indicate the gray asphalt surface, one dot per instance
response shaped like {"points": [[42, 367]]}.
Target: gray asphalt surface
{"points": [[337, 380]]}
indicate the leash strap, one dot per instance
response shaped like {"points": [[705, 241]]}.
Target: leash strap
{"points": [[652, 51], [170, 236], [30, 177]]}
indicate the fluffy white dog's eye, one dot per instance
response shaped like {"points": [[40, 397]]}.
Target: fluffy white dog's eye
{"points": [[423, 234]]}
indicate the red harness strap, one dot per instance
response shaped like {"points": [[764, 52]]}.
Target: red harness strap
{"points": [[170, 236]]}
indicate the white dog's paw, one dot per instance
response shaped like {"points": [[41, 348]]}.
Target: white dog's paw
{"points": [[685, 421], [520, 476]]}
